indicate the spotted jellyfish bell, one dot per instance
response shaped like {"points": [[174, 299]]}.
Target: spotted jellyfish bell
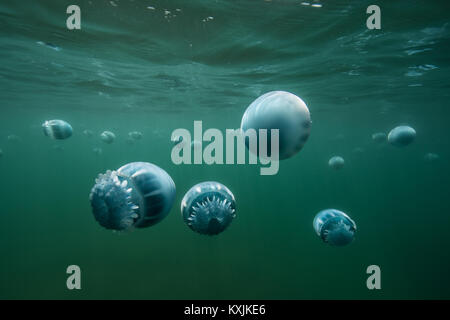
{"points": [[208, 208], [334, 227], [401, 136], [336, 162], [279, 110], [57, 129], [107, 137], [138, 194]]}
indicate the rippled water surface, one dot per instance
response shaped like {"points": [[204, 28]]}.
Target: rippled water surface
{"points": [[153, 66]]}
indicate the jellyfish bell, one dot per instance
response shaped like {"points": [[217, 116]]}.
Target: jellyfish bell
{"points": [[334, 227], [431, 157], [336, 162], [138, 194], [57, 129], [97, 151], [401, 136], [88, 133], [107, 137], [283, 111], [208, 208], [379, 137], [135, 135]]}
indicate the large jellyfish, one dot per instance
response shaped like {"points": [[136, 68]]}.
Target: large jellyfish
{"points": [[57, 129], [107, 137], [334, 227], [208, 208], [336, 162], [139, 194], [401, 136], [284, 111]]}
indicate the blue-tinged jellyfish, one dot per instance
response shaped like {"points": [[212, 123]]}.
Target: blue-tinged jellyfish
{"points": [[283, 111], [401, 136], [107, 137], [336, 162], [208, 208], [57, 129], [138, 194], [334, 227]]}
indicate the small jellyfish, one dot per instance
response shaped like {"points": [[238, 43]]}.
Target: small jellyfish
{"points": [[88, 133], [97, 151], [334, 227], [379, 137], [135, 135], [13, 138], [1, 153], [58, 148], [431, 157], [57, 129], [138, 194], [336, 162], [401, 136], [107, 137], [283, 111], [358, 150], [208, 208]]}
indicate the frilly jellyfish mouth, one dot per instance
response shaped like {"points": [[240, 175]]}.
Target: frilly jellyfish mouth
{"points": [[211, 215], [111, 202], [338, 232]]}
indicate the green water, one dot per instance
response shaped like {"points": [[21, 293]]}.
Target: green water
{"points": [[132, 68]]}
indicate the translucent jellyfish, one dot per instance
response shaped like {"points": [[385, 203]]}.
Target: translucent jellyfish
{"points": [[58, 148], [379, 137], [135, 135], [431, 157], [208, 208], [97, 151], [284, 111], [130, 141], [88, 133], [1, 153], [336, 162], [107, 137], [334, 227], [358, 150], [139, 194], [57, 129], [401, 136], [13, 138]]}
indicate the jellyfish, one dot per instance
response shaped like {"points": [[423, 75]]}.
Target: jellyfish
{"points": [[97, 151], [57, 129], [401, 136], [334, 227], [1, 153], [431, 157], [208, 208], [336, 162], [88, 133], [107, 137], [58, 148], [379, 137], [13, 138], [284, 111], [358, 150], [138, 194], [135, 135]]}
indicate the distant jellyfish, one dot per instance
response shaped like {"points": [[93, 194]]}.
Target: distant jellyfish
{"points": [[58, 148], [336, 162], [431, 157], [208, 208], [379, 137], [135, 135], [1, 153], [138, 194], [97, 151], [334, 227], [130, 141], [401, 136], [13, 138], [358, 150], [279, 110], [107, 137], [88, 133], [57, 129]]}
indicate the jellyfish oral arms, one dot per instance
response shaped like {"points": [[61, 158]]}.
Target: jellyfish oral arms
{"points": [[57, 129], [281, 111], [208, 208], [334, 227], [138, 194]]}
